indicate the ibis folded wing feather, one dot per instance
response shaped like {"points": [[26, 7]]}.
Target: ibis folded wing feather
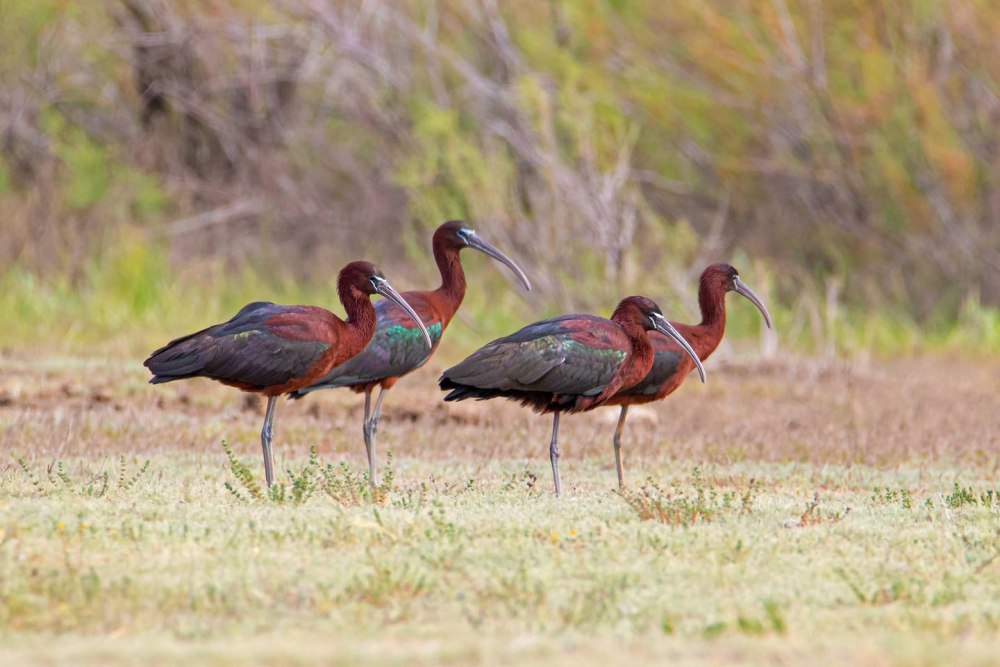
{"points": [[556, 356], [240, 350]]}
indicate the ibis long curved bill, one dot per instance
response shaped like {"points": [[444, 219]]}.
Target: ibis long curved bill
{"points": [[383, 287], [478, 243], [661, 324], [741, 288]]}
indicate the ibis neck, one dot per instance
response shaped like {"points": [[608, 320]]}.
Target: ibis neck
{"points": [[360, 315], [641, 359], [707, 335], [637, 363], [452, 289]]}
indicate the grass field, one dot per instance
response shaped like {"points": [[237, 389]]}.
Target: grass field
{"points": [[797, 513]]}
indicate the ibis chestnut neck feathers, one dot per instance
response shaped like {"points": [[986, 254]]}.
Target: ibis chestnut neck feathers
{"points": [[716, 281], [641, 312], [449, 264], [630, 315], [356, 283], [449, 240], [712, 297], [354, 289], [637, 315]]}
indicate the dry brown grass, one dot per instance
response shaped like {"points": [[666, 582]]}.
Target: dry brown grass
{"points": [[910, 411]]}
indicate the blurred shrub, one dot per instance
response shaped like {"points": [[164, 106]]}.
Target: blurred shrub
{"points": [[849, 149]]}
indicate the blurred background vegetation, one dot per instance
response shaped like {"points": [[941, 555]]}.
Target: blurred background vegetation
{"points": [[163, 162]]}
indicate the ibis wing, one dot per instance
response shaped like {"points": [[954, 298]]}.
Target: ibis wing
{"points": [[573, 354], [397, 348], [241, 350], [261, 359]]}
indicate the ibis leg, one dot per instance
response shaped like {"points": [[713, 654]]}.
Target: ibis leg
{"points": [[373, 431], [618, 448], [265, 440], [367, 428], [554, 452]]}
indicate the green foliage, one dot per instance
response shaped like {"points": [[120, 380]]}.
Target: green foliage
{"points": [[966, 496], [4, 177], [446, 168], [977, 327], [57, 481], [87, 162], [126, 482], [244, 477], [23, 27], [338, 483], [838, 150], [148, 199], [130, 300], [886, 496], [771, 622], [303, 484]]}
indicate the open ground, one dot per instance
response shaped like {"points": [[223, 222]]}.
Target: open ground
{"points": [[796, 513]]}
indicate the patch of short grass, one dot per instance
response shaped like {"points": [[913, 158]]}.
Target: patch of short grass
{"points": [[169, 553]]}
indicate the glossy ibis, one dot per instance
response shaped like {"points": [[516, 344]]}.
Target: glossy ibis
{"points": [[670, 367], [395, 350], [570, 363], [271, 350]]}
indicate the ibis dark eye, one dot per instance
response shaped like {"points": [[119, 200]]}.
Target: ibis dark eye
{"points": [[465, 234]]}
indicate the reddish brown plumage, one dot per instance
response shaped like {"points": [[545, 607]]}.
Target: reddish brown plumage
{"points": [[670, 365], [704, 337], [318, 325], [271, 349], [391, 355], [392, 352], [631, 316], [344, 338], [433, 306], [571, 363]]}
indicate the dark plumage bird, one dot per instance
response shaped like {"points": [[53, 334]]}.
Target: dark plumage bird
{"points": [[395, 350], [570, 363], [670, 365], [271, 350]]}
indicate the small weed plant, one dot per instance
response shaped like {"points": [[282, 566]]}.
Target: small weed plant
{"points": [[680, 506], [339, 482], [244, 478], [814, 515], [889, 496], [525, 479], [966, 496], [126, 481], [57, 480]]}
